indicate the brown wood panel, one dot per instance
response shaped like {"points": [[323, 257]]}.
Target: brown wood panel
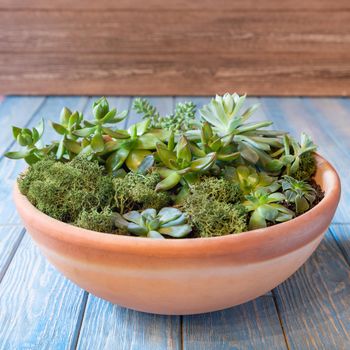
{"points": [[172, 48]]}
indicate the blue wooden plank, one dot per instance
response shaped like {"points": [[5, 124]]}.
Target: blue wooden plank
{"points": [[13, 111], [292, 115], [10, 237], [108, 326], [314, 304], [254, 325], [341, 234], [39, 308], [9, 169]]}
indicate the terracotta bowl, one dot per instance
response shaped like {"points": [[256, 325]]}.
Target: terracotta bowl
{"points": [[186, 276]]}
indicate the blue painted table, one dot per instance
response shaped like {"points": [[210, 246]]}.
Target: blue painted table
{"points": [[40, 309]]}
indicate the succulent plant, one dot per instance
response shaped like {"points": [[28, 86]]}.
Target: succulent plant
{"points": [[249, 179], [142, 106], [299, 193], [211, 142], [139, 143], [265, 207], [29, 139], [182, 119], [148, 223], [294, 152], [253, 142], [93, 132], [69, 123], [179, 164]]}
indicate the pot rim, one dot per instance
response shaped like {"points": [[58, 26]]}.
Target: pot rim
{"points": [[189, 247]]}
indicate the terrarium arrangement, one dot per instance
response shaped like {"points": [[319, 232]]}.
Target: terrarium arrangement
{"points": [[174, 176]]}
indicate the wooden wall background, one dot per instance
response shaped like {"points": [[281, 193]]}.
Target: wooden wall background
{"points": [[266, 47]]}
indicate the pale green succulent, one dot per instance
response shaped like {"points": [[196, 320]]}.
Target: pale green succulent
{"points": [[254, 143], [93, 132], [138, 143], [249, 179], [266, 207], [178, 164], [299, 193], [148, 223], [30, 139], [294, 151]]}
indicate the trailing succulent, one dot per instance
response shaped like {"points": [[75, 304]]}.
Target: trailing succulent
{"points": [[170, 176]]}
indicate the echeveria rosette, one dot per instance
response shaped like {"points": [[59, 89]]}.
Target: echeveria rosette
{"points": [[254, 143], [299, 193], [179, 165], [30, 140], [168, 221], [265, 207]]}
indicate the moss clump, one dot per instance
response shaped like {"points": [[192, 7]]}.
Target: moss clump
{"points": [[307, 167], [214, 208], [221, 190], [96, 221], [65, 190], [213, 218], [137, 191]]}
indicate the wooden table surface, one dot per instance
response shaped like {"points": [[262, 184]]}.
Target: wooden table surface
{"points": [[40, 309]]}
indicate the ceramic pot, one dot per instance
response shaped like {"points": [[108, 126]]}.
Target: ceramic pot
{"points": [[185, 276]]}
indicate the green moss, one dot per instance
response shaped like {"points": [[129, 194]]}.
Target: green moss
{"points": [[136, 191], [307, 167], [214, 208], [64, 190], [96, 221], [214, 218], [218, 189]]}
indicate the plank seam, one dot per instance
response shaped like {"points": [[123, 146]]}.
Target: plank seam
{"points": [[182, 346], [274, 296], [13, 142], [12, 254], [80, 321]]}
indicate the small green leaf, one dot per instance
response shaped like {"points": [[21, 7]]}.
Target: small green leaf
{"points": [[168, 214], [165, 155], [183, 150], [155, 235], [16, 131], [146, 164], [64, 116], [85, 132], [137, 230], [100, 108], [169, 182], [97, 143], [72, 146], [109, 116], [117, 134], [176, 231], [60, 129], [133, 216], [16, 155]]}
